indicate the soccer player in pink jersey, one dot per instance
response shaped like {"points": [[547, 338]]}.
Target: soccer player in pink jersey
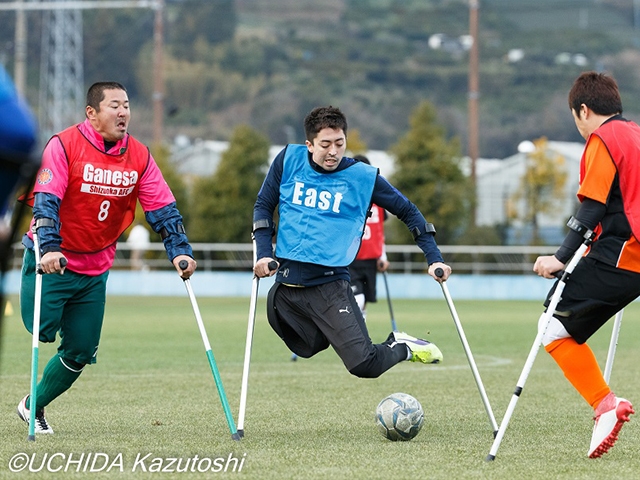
{"points": [[91, 176]]}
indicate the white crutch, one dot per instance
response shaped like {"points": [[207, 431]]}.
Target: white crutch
{"points": [[613, 344], [35, 339], [485, 400], [212, 362], [249, 343], [588, 236]]}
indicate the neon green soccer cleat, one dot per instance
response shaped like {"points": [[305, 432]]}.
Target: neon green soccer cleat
{"points": [[421, 350]]}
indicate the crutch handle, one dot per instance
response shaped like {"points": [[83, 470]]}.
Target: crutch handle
{"points": [[183, 264], [562, 275], [272, 265], [63, 263], [439, 272]]}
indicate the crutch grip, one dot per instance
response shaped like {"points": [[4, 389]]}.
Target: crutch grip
{"points": [[183, 264], [272, 265], [439, 272], [63, 263]]}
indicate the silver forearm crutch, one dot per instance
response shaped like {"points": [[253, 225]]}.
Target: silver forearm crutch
{"points": [[249, 343], [588, 236], [485, 400], [212, 362], [613, 344]]}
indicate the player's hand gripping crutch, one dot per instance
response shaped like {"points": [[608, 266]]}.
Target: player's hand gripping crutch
{"points": [[394, 327], [33, 394], [212, 362], [563, 276], [247, 351], [454, 314]]}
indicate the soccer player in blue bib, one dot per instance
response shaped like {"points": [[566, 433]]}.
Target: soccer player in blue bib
{"points": [[323, 200]]}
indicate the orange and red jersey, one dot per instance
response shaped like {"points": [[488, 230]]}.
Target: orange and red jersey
{"points": [[606, 176]]}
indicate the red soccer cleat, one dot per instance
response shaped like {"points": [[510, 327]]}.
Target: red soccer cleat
{"points": [[609, 416]]}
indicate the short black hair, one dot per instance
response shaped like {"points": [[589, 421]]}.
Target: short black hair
{"points": [[598, 91], [95, 94], [324, 117]]}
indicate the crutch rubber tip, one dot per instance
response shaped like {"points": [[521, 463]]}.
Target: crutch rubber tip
{"points": [[31, 438], [240, 433], [490, 458], [439, 272], [183, 264], [236, 436]]}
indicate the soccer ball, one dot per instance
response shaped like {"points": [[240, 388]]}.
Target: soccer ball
{"points": [[399, 417]]}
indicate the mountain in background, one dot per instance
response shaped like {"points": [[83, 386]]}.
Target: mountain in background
{"points": [[266, 63]]}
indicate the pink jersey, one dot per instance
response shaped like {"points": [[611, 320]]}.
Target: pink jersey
{"points": [[93, 182]]}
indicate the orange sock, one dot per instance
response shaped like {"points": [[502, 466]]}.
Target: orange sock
{"points": [[579, 365]]}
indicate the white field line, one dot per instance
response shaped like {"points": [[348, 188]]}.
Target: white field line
{"points": [[483, 361]]}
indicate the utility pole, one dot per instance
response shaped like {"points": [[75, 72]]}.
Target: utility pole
{"points": [[20, 45], [474, 93], [158, 75], [61, 74]]}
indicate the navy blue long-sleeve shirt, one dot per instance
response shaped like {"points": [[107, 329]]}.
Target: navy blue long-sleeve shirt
{"points": [[308, 274]]}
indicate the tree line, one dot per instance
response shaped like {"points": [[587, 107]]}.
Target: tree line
{"points": [[266, 63], [219, 208]]}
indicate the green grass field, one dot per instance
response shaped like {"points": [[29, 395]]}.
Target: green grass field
{"points": [[151, 395]]}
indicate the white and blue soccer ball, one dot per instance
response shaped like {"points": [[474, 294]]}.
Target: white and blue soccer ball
{"points": [[399, 417]]}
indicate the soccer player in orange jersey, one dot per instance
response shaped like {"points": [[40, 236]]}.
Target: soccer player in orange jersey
{"points": [[608, 277]]}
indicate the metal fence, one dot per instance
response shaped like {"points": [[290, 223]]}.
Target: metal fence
{"points": [[476, 259]]}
